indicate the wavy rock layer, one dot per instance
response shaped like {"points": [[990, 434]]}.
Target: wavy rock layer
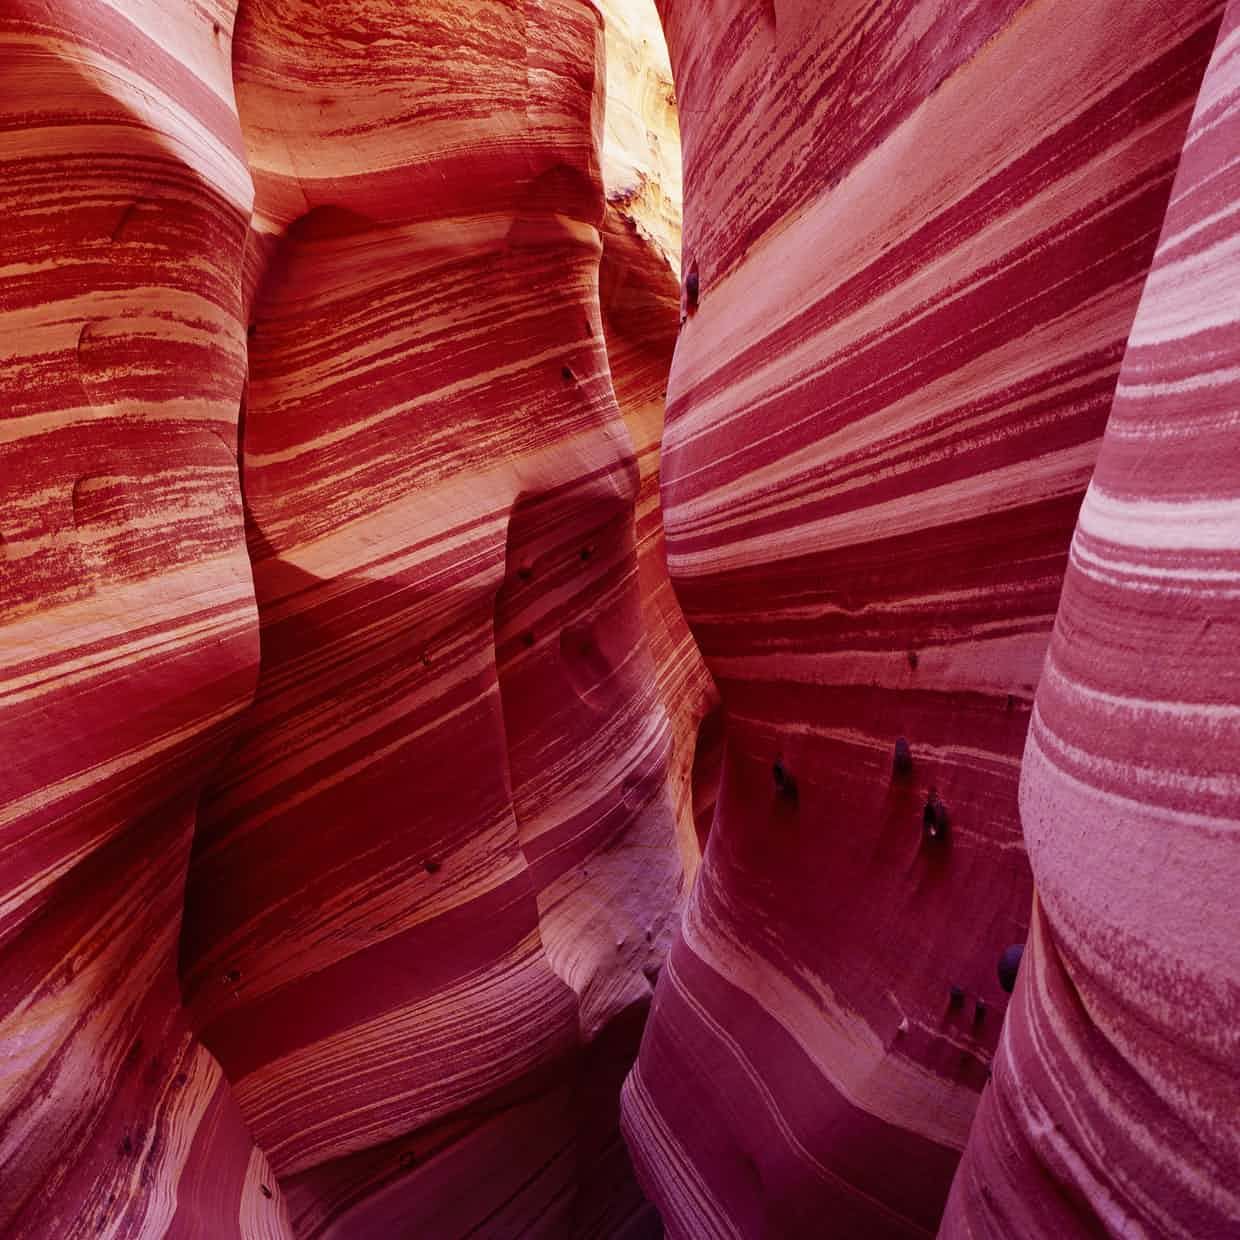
{"points": [[439, 865], [357, 754], [1116, 1087], [127, 612], [916, 234], [377, 646]]}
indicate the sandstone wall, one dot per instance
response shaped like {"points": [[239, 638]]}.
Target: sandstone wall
{"points": [[127, 620], [916, 234], [1117, 1082], [357, 757], [320, 551]]}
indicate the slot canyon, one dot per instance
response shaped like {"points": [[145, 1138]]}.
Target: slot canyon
{"points": [[619, 618]]}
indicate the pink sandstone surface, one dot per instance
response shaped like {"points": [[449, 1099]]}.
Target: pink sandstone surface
{"points": [[326, 663], [357, 757], [1116, 1099], [920, 233]]}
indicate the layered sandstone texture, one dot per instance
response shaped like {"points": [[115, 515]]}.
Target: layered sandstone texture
{"points": [[916, 236], [339, 808], [129, 633], [357, 755], [1115, 1106]]}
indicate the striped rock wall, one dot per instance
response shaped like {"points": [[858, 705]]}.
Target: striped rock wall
{"points": [[128, 638], [319, 582], [326, 676], [439, 862], [1117, 1084], [919, 232]]}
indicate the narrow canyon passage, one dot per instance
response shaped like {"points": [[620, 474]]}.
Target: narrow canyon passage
{"points": [[516, 724]]}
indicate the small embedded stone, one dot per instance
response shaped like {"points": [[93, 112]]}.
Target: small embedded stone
{"points": [[934, 818], [785, 784], [902, 759], [955, 996], [1009, 966]]}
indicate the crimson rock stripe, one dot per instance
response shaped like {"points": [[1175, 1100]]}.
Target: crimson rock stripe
{"points": [[920, 232], [126, 611], [1116, 1089], [438, 865], [434, 870]]}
